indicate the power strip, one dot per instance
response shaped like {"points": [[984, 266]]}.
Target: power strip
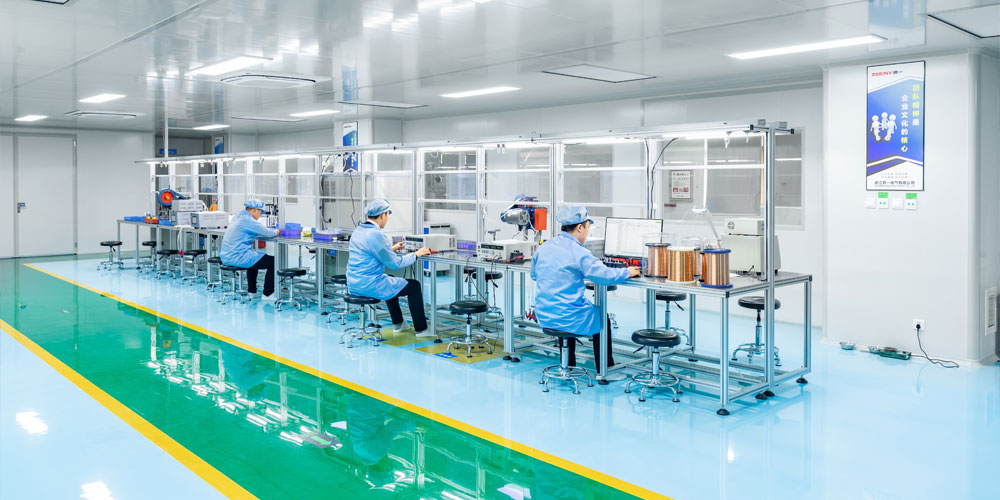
{"points": [[889, 352]]}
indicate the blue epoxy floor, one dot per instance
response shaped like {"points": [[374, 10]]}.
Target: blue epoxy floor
{"points": [[864, 427]]}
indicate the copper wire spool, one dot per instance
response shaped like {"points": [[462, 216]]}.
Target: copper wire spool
{"points": [[657, 257], [681, 264], [715, 273]]}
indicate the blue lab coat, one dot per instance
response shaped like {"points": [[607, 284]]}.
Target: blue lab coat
{"points": [[559, 268], [237, 244], [371, 252]]}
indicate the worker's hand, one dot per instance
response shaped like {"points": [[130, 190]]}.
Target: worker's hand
{"points": [[277, 232], [397, 247], [423, 251], [634, 272]]}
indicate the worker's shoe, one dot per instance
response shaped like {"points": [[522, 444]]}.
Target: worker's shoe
{"points": [[616, 376], [425, 333], [269, 299], [400, 327]]}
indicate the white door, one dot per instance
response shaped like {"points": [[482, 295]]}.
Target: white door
{"points": [[6, 196], [46, 208]]}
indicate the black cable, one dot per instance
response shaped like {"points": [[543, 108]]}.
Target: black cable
{"points": [[940, 362], [354, 211], [652, 170]]}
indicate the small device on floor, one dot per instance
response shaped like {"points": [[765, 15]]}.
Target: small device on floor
{"points": [[889, 352]]}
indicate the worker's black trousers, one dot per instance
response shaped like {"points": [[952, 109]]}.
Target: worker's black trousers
{"points": [[596, 339], [267, 263], [415, 298]]}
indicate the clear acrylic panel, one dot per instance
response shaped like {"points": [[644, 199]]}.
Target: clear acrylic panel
{"points": [[680, 153], [184, 184], [206, 168], [162, 182], [393, 187], [161, 169], [450, 186], [265, 185], [506, 186], [338, 185], [621, 187], [300, 185], [741, 150], [208, 184], [234, 184], [735, 191], [517, 158], [390, 162], [234, 167], [266, 166], [450, 160]]}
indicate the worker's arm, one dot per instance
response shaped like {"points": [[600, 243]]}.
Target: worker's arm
{"points": [[534, 276], [595, 270], [392, 260], [258, 228]]}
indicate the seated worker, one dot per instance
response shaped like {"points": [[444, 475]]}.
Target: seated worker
{"points": [[237, 247], [559, 269], [371, 252]]}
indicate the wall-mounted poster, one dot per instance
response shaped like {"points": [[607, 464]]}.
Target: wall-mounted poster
{"points": [[680, 184], [895, 127], [350, 138]]}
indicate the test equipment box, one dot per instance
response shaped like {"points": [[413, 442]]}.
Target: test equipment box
{"points": [[437, 242], [501, 250], [209, 220]]}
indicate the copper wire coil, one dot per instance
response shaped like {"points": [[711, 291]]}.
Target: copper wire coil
{"points": [[716, 268], [681, 264], [657, 260]]}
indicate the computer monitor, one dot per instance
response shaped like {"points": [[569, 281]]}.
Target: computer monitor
{"points": [[623, 237]]}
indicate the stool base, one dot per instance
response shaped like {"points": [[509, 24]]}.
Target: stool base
{"points": [[654, 381], [569, 373], [753, 349]]}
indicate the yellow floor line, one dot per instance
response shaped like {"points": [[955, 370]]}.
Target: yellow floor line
{"points": [[210, 474], [451, 422]]}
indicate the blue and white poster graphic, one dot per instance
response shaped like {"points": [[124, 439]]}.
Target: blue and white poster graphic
{"points": [[350, 138], [895, 127]]}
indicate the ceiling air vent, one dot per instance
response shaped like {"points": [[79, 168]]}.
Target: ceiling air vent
{"points": [[263, 81], [103, 115]]}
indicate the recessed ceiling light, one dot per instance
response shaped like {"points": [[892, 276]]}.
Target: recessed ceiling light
{"points": [[980, 22], [30, 118], [217, 126], [318, 112], [382, 104], [808, 47], [99, 98], [103, 114], [57, 2], [471, 93], [232, 64], [268, 119], [598, 73]]}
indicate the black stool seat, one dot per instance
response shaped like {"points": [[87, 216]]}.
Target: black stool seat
{"points": [[110, 243], [166, 251], [490, 276], [611, 288], [339, 279], [359, 300], [671, 296], [291, 272], [757, 303], [149, 243], [215, 260], [225, 267], [559, 333], [195, 252], [468, 307], [656, 338]]}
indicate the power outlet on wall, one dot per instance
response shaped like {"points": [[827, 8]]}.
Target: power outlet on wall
{"points": [[918, 324]]}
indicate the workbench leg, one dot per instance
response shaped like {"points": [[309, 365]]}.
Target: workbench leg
{"points": [[724, 358], [508, 317], [601, 294], [434, 302]]}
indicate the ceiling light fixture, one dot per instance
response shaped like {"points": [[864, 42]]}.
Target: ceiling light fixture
{"points": [[228, 65], [808, 47], [217, 126], [980, 22], [268, 119], [57, 2], [318, 112], [472, 93], [99, 98], [382, 104], [30, 118], [590, 72]]}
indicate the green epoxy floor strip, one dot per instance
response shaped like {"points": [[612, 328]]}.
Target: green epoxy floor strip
{"points": [[275, 430]]}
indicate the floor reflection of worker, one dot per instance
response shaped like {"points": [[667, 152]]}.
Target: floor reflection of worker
{"points": [[370, 253], [560, 268], [237, 247], [247, 370], [372, 428]]}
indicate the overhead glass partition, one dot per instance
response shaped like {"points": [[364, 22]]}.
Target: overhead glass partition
{"points": [[234, 183], [300, 190], [516, 175], [161, 176], [265, 181], [389, 175], [208, 183], [184, 180], [449, 189], [607, 176]]}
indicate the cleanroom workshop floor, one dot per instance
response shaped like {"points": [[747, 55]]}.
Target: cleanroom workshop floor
{"points": [[151, 390]]}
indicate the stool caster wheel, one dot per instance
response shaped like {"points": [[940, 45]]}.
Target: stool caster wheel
{"points": [[761, 396], [324, 313], [507, 358], [769, 393], [516, 360], [628, 391], [437, 341], [642, 400], [801, 380], [590, 384], [676, 400], [601, 382], [722, 412]]}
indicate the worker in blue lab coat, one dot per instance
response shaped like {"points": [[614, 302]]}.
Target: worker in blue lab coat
{"points": [[237, 247], [371, 252], [559, 269]]}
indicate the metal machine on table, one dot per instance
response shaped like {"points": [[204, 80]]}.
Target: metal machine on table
{"points": [[748, 241], [526, 216]]}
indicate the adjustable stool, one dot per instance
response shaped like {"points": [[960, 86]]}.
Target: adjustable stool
{"points": [[289, 275], [194, 254], [112, 252], [756, 347], [212, 284], [235, 283], [363, 330], [653, 340], [563, 371], [340, 288], [468, 308], [169, 255], [675, 298], [149, 266]]}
